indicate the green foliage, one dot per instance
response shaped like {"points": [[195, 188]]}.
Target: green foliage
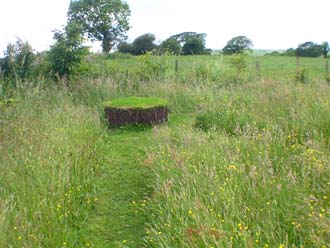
{"points": [[301, 75], [150, 68], [65, 178], [248, 196], [194, 46], [290, 52], [18, 61], [309, 49], [187, 43], [101, 20], [229, 122], [239, 61], [66, 55], [143, 44], [325, 49], [170, 46], [184, 37], [124, 47], [47, 163], [237, 44], [136, 103], [120, 55]]}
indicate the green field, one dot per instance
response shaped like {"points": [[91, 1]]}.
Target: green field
{"points": [[243, 161]]}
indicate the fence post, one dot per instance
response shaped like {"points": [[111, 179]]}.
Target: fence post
{"points": [[176, 66], [258, 68]]}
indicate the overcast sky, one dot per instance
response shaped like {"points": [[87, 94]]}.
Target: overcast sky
{"points": [[270, 24]]}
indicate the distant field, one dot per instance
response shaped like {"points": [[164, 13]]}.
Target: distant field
{"points": [[261, 52], [214, 68], [243, 161]]}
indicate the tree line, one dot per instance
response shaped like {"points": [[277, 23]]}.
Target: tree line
{"points": [[306, 49], [107, 21]]}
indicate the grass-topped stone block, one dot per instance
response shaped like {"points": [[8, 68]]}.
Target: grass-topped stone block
{"points": [[136, 110]]}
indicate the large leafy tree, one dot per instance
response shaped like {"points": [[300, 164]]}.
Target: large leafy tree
{"points": [[101, 20], [309, 49], [187, 43], [144, 43], [325, 48], [194, 46], [171, 46], [237, 45], [185, 36]]}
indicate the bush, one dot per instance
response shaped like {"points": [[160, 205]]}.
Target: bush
{"points": [[18, 61], [150, 68], [239, 61], [67, 53]]}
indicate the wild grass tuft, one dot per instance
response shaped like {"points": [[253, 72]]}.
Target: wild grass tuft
{"points": [[254, 173]]}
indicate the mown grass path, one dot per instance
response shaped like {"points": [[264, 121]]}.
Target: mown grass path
{"points": [[123, 185]]}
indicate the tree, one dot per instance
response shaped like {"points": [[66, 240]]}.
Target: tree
{"points": [[325, 49], [171, 46], [191, 43], [18, 60], [289, 52], [144, 44], [237, 45], [184, 37], [309, 49], [125, 47], [194, 46], [67, 53], [101, 20]]}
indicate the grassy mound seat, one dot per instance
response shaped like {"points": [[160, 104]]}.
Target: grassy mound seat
{"points": [[136, 110]]}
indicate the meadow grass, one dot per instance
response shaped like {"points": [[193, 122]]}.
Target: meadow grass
{"points": [[48, 159], [257, 176], [136, 103], [242, 162]]}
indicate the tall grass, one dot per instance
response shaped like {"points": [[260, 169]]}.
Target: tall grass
{"points": [[49, 155], [256, 175], [243, 162]]}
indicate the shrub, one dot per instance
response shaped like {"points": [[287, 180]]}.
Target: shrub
{"points": [[18, 60], [67, 53], [239, 62], [150, 68]]}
